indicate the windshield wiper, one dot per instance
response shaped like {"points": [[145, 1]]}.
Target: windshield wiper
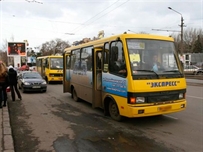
{"points": [[150, 72], [173, 71]]}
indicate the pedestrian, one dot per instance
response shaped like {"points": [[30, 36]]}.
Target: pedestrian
{"points": [[3, 84], [13, 80]]}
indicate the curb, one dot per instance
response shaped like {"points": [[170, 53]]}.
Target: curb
{"points": [[8, 145]]}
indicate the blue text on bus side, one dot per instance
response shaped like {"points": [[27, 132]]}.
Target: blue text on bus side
{"points": [[163, 84]]}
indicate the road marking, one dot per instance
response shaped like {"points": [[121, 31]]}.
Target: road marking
{"points": [[171, 117], [194, 97]]}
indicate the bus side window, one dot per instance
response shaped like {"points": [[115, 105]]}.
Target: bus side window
{"points": [[117, 60], [67, 62], [99, 60], [43, 62], [114, 67], [105, 57], [47, 63]]}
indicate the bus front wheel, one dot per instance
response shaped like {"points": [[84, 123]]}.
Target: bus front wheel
{"points": [[74, 95], [114, 112]]}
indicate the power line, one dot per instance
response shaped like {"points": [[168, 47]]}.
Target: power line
{"points": [[33, 1], [6, 21], [96, 15], [165, 30], [103, 15]]}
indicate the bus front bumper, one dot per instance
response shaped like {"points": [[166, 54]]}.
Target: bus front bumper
{"points": [[56, 79], [156, 109]]}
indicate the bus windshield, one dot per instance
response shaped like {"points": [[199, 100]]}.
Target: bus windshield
{"points": [[56, 63], [152, 57]]}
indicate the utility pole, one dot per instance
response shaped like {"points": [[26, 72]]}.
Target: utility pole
{"points": [[181, 32], [181, 35]]}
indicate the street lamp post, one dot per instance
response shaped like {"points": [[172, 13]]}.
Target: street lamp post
{"points": [[181, 32]]}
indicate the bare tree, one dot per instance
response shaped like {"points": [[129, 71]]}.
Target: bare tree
{"points": [[198, 47], [4, 52], [53, 47], [190, 37]]}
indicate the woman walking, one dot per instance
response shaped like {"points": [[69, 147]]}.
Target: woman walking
{"points": [[12, 74], [3, 83]]}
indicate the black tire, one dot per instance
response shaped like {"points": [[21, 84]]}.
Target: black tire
{"points": [[43, 91], [74, 95], [200, 73], [114, 112]]}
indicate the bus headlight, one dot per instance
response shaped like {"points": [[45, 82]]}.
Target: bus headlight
{"points": [[140, 99], [132, 99], [181, 95]]}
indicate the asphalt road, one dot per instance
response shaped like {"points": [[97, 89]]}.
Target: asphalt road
{"points": [[53, 122]]}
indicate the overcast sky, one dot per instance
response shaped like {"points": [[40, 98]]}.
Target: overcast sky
{"points": [[39, 21]]}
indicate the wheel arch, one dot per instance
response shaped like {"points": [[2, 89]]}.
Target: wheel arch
{"points": [[107, 100]]}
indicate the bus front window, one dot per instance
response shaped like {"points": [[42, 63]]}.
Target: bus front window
{"points": [[149, 57], [56, 63]]}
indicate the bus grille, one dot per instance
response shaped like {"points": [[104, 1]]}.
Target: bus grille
{"points": [[56, 75], [158, 97], [162, 98]]}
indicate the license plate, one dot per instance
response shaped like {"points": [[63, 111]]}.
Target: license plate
{"points": [[36, 87], [165, 108]]}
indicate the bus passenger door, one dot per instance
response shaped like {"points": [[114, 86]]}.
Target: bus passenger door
{"points": [[39, 66], [97, 78], [43, 68], [66, 73]]}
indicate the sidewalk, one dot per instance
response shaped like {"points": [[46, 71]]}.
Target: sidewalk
{"points": [[6, 138]]}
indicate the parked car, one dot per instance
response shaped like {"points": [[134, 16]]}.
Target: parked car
{"points": [[199, 64], [190, 69], [199, 72], [31, 81]]}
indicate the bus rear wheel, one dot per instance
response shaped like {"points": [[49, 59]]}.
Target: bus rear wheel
{"points": [[74, 95], [114, 112]]}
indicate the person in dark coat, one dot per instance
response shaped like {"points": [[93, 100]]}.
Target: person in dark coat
{"points": [[12, 74], [3, 83]]}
